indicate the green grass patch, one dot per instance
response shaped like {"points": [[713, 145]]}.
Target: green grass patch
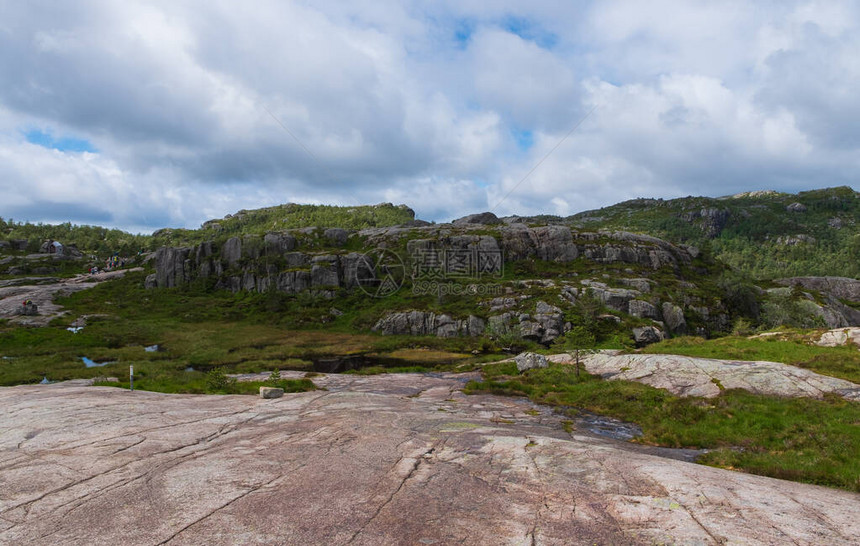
{"points": [[813, 441]]}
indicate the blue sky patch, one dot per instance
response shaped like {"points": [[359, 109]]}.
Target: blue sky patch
{"points": [[524, 139], [528, 30], [63, 144], [463, 30]]}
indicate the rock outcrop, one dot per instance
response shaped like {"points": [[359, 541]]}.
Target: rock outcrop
{"points": [[711, 220], [840, 287], [839, 337], [483, 218], [688, 376], [424, 323]]}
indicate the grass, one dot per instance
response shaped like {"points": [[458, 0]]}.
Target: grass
{"points": [[792, 347], [813, 441], [196, 383], [201, 329]]}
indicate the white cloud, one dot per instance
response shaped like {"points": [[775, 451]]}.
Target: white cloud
{"points": [[389, 104]]}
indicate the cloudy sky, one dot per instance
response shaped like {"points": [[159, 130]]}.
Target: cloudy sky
{"points": [[142, 115]]}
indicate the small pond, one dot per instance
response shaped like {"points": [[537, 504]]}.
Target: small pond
{"points": [[89, 363]]}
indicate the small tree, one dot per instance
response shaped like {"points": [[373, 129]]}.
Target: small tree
{"points": [[217, 380], [275, 377], [579, 342]]}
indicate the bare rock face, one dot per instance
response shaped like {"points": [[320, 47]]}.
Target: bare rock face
{"points": [[688, 376], [711, 220], [530, 361], [170, 270], [403, 459], [796, 207], [841, 287], [551, 243], [424, 323], [279, 243]]}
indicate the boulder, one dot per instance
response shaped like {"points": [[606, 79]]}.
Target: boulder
{"points": [[646, 335], [642, 309], [673, 317], [530, 361], [271, 392], [796, 207]]}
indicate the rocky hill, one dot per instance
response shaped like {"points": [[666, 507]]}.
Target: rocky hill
{"points": [[637, 271], [763, 233], [513, 280]]}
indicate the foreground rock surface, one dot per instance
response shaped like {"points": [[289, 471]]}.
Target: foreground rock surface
{"points": [[689, 376], [401, 459]]}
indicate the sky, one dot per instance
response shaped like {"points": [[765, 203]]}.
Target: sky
{"points": [[143, 115]]}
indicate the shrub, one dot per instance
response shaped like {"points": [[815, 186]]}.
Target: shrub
{"points": [[217, 380]]}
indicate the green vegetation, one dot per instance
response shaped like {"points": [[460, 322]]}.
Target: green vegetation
{"points": [[814, 441], [755, 235], [214, 382], [791, 347], [198, 330], [104, 242], [96, 240], [289, 216]]}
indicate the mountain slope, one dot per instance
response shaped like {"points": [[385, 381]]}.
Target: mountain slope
{"points": [[764, 234]]}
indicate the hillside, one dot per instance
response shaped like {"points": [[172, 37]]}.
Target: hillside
{"points": [[104, 242], [764, 234]]}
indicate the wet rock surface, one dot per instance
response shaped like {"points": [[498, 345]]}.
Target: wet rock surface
{"points": [[403, 459]]}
